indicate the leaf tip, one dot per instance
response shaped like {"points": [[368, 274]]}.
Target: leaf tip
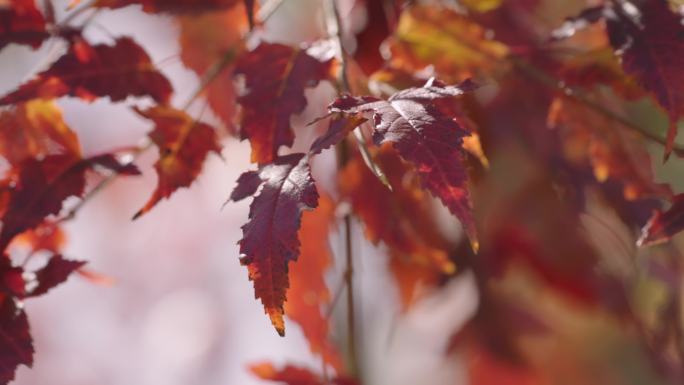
{"points": [[276, 316], [475, 245]]}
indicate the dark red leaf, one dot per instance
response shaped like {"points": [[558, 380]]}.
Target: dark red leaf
{"points": [[269, 239], [426, 137], [275, 77], [12, 282], [338, 129], [85, 71], [55, 272], [43, 185], [21, 22], [664, 224], [247, 185], [650, 42], [16, 345], [184, 144]]}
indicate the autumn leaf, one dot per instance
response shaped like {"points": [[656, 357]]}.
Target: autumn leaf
{"points": [[402, 219], [184, 144], [12, 282], [613, 151], [651, 49], [380, 22], [209, 40], [664, 224], [309, 295], [647, 37], [43, 185], [48, 236], [56, 271], [426, 137], [21, 22], [269, 239], [451, 43], [481, 5], [88, 72], [275, 77], [35, 129], [338, 129], [598, 68], [16, 345]]}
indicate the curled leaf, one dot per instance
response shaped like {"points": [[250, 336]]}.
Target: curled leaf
{"points": [[426, 137]]}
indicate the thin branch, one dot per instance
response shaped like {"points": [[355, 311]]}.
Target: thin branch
{"points": [[268, 9], [544, 79], [334, 25]]}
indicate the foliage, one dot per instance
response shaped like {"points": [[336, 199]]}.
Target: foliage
{"points": [[521, 130]]}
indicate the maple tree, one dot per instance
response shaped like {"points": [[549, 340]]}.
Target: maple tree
{"points": [[489, 139]]}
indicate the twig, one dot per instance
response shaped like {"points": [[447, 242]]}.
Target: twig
{"points": [[268, 9], [544, 79], [335, 30]]}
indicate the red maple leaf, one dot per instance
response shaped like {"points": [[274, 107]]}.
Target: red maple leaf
{"points": [[184, 144], [426, 137], [21, 22], [16, 345], [269, 239], [275, 77], [90, 71]]}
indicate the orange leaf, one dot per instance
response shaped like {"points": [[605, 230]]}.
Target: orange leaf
{"points": [[308, 294], [183, 146], [90, 71], [207, 40]]}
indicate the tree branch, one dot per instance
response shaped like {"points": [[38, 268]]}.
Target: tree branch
{"points": [[335, 30]]}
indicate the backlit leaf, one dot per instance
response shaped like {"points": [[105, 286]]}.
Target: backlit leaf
{"points": [[275, 79], [402, 219], [35, 129], [21, 22], [309, 296], [88, 72], [184, 144], [450, 42], [214, 39], [43, 185]]}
